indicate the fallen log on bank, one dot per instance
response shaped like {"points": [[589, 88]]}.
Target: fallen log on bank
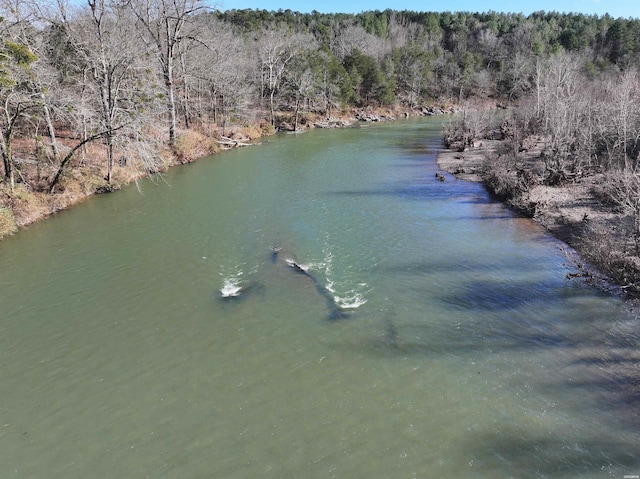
{"points": [[231, 143]]}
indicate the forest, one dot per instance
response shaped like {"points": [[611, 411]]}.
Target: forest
{"points": [[97, 94]]}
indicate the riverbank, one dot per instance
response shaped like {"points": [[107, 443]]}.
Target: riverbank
{"points": [[575, 212], [31, 200]]}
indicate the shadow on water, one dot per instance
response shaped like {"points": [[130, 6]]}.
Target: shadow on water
{"points": [[597, 353], [423, 187], [494, 217], [529, 454], [506, 319], [414, 163], [417, 152], [419, 340], [495, 296], [613, 366], [610, 383], [425, 182], [480, 200], [609, 370], [606, 365], [335, 311], [437, 263], [619, 390], [609, 362], [419, 156], [416, 192]]}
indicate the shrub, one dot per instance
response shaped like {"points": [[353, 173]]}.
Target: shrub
{"points": [[27, 206], [606, 246], [511, 181], [500, 175]]}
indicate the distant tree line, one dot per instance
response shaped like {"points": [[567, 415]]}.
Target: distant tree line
{"points": [[128, 76], [416, 56]]}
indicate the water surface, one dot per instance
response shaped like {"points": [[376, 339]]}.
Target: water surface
{"points": [[435, 335]]}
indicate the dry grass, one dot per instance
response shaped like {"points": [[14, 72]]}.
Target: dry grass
{"points": [[253, 132], [27, 206], [191, 145], [7, 222]]}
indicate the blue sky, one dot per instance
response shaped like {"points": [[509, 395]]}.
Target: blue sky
{"points": [[615, 8]]}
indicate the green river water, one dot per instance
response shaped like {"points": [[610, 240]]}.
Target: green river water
{"points": [[434, 335]]}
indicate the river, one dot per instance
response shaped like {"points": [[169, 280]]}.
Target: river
{"points": [[426, 332]]}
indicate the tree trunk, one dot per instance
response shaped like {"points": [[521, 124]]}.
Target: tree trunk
{"points": [[185, 93], [273, 116], [171, 105], [6, 156], [51, 131], [67, 158], [295, 124], [109, 157]]}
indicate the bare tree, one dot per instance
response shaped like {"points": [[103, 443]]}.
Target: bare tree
{"points": [[353, 37], [165, 24], [624, 117], [276, 48], [619, 129], [25, 16], [18, 91], [562, 114], [222, 67], [347, 38], [103, 37], [623, 187], [412, 72], [299, 81]]}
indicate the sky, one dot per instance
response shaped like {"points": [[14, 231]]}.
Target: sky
{"points": [[615, 8]]}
